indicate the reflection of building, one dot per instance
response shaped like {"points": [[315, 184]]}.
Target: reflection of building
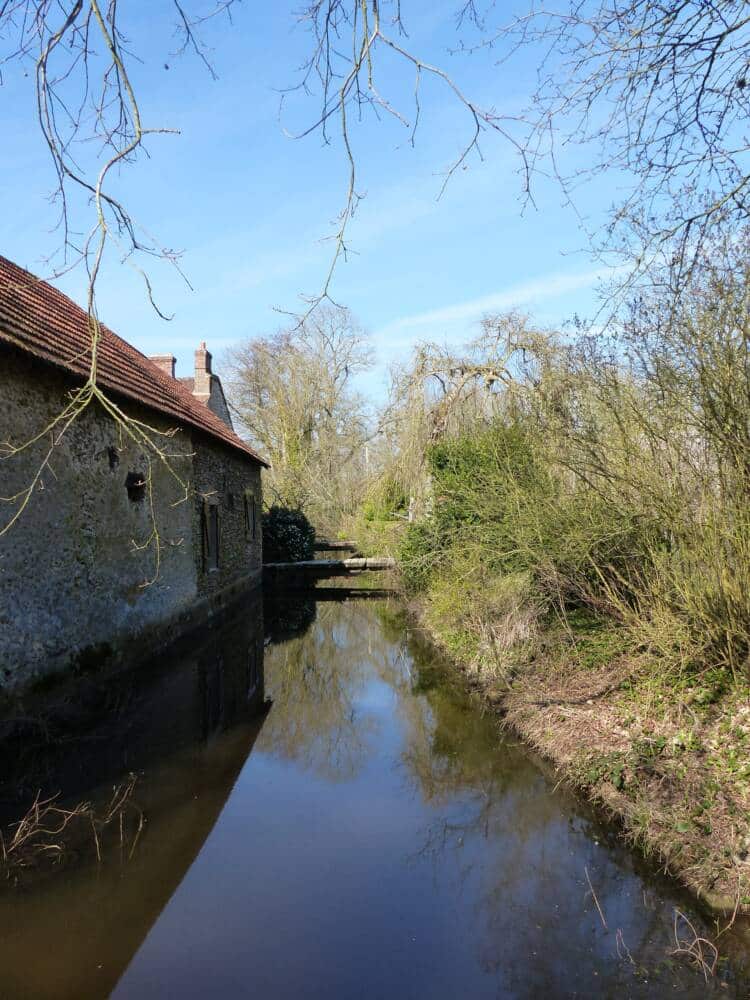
{"points": [[118, 550], [186, 724], [110, 723]]}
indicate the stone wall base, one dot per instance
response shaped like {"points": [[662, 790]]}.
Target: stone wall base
{"points": [[125, 651]]}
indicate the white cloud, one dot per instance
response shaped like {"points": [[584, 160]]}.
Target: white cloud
{"points": [[532, 292]]}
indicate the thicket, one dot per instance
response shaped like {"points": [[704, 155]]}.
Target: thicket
{"points": [[288, 536], [610, 483]]}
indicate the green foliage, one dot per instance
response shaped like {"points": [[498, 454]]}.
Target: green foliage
{"points": [[419, 554], [597, 640], [288, 536], [608, 767], [615, 478], [384, 501], [499, 500], [489, 622]]}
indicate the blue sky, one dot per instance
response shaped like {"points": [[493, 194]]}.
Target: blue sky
{"points": [[249, 205]]}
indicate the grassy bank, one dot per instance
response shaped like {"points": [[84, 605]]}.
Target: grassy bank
{"points": [[669, 763], [582, 546], [600, 637]]}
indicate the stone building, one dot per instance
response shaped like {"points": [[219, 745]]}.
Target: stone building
{"points": [[143, 512]]}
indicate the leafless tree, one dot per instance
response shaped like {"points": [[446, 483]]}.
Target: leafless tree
{"points": [[293, 392], [444, 389], [657, 92]]}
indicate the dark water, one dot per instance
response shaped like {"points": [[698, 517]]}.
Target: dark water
{"points": [[328, 814]]}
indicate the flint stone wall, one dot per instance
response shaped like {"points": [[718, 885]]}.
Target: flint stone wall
{"points": [[79, 585]]}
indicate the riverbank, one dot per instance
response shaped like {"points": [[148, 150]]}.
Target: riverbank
{"points": [[669, 762]]}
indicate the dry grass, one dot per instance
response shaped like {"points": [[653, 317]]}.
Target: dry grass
{"points": [[688, 943], [680, 790], [48, 832], [672, 767]]}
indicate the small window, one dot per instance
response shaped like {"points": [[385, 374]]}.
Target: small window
{"points": [[230, 501], [135, 484], [250, 516], [210, 536]]}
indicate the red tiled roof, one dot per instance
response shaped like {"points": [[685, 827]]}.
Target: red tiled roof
{"points": [[39, 319]]}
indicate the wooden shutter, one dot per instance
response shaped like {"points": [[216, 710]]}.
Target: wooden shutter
{"points": [[217, 559], [204, 534]]}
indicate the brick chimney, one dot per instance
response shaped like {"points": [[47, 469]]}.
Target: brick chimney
{"points": [[166, 362], [206, 387], [202, 385]]}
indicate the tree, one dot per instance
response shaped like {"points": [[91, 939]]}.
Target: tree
{"points": [[293, 393], [656, 91], [443, 390], [659, 89]]}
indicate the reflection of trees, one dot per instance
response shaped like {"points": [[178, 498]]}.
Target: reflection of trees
{"points": [[506, 854], [515, 854], [286, 617], [316, 681]]}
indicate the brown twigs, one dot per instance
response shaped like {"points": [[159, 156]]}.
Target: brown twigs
{"points": [[348, 36], [49, 830], [701, 952]]}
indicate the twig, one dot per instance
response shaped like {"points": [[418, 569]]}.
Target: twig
{"points": [[621, 946], [593, 895]]}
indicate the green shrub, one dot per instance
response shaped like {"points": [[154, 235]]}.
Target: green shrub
{"points": [[288, 536], [613, 478], [419, 554], [500, 501], [384, 501]]}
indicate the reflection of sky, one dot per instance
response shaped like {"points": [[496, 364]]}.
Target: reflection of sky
{"points": [[441, 865], [374, 696]]}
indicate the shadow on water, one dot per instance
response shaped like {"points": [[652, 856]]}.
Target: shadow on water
{"points": [[184, 725], [328, 814]]}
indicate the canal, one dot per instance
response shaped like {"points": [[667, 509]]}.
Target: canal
{"points": [[320, 809]]}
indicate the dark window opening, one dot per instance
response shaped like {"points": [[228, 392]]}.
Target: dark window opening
{"points": [[250, 516], [114, 458], [135, 484], [210, 536], [230, 501]]}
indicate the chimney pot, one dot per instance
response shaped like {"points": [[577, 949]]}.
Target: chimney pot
{"points": [[202, 360]]}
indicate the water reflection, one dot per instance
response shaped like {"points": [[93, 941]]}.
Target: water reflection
{"points": [[93, 728], [185, 724], [319, 721], [510, 854], [381, 839]]}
